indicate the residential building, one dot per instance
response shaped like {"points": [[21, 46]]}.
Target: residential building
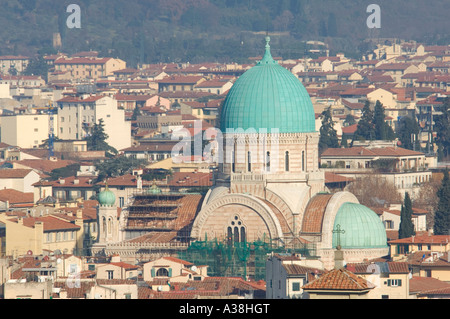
{"points": [[18, 179], [427, 242], [173, 270], [78, 114], [430, 264], [26, 130], [287, 274], [390, 279], [25, 234], [339, 284], [117, 269], [88, 67], [10, 62], [179, 83]]}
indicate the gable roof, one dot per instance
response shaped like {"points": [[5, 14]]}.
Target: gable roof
{"points": [[339, 279]]}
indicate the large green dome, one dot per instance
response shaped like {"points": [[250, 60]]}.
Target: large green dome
{"points": [[268, 96], [360, 228]]}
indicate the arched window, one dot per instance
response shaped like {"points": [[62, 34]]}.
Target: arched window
{"points": [[286, 161], [268, 161], [243, 237], [236, 231], [236, 234], [162, 272], [249, 161], [104, 226], [233, 162], [229, 236], [109, 225], [303, 161]]}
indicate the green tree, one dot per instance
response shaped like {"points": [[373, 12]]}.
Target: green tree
{"points": [[365, 129], [38, 67], [407, 127], [118, 166], [328, 135], [406, 228], [442, 128], [136, 112], [442, 215], [382, 130], [96, 141], [349, 120]]}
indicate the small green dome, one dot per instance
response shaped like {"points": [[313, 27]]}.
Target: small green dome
{"points": [[360, 228], [106, 198], [268, 96]]}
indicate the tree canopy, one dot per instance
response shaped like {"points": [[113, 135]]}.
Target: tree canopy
{"points": [[96, 141], [442, 213], [328, 134], [406, 228]]}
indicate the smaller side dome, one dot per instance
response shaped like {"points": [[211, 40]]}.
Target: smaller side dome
{"points": [[106, 197], [357, 226]]}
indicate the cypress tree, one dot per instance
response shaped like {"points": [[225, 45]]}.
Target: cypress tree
{"points": [[328, 135], [406, 228], [442, 214]]}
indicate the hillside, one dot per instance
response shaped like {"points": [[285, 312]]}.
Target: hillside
{"points": [[215, 30]]}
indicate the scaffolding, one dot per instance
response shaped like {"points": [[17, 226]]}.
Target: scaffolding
{"points": [[239, 259]]}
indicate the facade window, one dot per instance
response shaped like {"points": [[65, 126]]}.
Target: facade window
{"points": [[268, 161], [121, 201], [303, 161], [110, 274], [162, 272], [389, 224], [394, 282], [249, 161], [236, 231], [286, 161], [295, 286]]}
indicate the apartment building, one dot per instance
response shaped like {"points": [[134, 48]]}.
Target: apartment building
{"points": [[89, 67], [78, 114], [26, 130]]}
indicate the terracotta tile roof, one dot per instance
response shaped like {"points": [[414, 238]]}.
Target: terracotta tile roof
{"points": [[124, 265], [180, 261], [71, 99], [82, 60], [314, 213], [383, 267], [351, 129], [339, 279], [51, 223], [336, 178], [210, 286], [424, 239], [16, 197], [424, 284], [181, 80], [428, 259], [44, 165], [14, 173], [189, 179], [372, 152], [69, 182]]}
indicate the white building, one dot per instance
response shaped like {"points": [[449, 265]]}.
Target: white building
{"points": [[25, 130], [77, 116]]}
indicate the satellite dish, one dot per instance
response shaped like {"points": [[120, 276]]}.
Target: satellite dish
{"points": [[58, 260], [29, 253], [160, 288], [194, 268]]}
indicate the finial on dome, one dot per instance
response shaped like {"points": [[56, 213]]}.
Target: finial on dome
{"points": [[267, 59]]}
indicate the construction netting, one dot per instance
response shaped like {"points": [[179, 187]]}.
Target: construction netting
{"points": [[239, 259]]}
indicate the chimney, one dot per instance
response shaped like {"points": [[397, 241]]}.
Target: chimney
{"points": [[338, 258]]}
